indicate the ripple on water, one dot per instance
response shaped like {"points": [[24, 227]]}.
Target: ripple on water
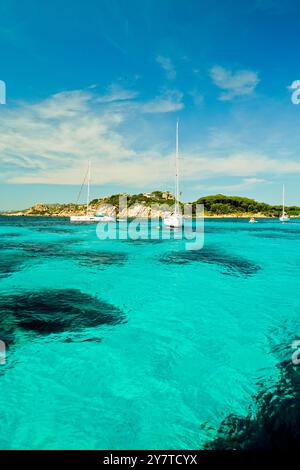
{"points": [[278, 235], [11, 263]]}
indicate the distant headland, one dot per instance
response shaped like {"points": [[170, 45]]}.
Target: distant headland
{"points": [[142, 205]]}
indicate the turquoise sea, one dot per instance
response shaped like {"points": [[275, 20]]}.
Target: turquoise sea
{"points": [[139, 344]]}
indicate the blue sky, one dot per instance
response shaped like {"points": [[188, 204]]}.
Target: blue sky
{"points": [[107, 79]]}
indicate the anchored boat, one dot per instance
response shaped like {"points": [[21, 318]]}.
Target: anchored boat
{"points": [[175, 220], [88, 217], [284, 217]]}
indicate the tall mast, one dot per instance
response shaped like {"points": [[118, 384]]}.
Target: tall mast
{"points": [[283, 202], [88, 188], [177, 170]]}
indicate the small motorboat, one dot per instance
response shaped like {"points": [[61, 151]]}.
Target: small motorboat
{"points": [[91, 218]]}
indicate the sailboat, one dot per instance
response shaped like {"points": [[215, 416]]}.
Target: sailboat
{"points": [[284, 217], [175, 219], [87, 217]]}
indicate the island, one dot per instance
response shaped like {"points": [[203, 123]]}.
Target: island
{"points": [[158, 204]]}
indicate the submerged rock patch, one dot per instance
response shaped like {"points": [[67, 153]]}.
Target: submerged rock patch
{"points": [[232, 264]]}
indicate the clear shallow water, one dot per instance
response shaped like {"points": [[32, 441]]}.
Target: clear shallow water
{"points": [[127, 345]]}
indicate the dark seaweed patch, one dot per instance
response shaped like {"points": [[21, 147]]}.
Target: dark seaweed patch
{"points": [[10, 234], [273, 423], [55, 230], [60, 249], [43, 249], [32, 247], [54, 311], [234, 265]]}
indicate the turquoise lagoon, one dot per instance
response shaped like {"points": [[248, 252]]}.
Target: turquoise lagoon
{"points": [[123, 344]]}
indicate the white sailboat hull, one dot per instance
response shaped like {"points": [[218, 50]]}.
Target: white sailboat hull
{"points": [[173, 221], [91, 218], [284, 218]]}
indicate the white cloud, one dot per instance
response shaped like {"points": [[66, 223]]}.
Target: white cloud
{"points": [[252, 181], [167, 66], [51, 141], [234, 84]]}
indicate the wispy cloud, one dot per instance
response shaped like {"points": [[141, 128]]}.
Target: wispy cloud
{"points": [[250, 164], [168, 101], [234, 84], [117, 93], [242, 185], [167, 65], [197, 97]]}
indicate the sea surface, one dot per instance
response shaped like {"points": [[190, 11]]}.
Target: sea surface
{"points": [[139, 344]]}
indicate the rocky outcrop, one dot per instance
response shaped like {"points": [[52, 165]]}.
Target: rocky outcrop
{"points": [[134, 211], [60, 210]]}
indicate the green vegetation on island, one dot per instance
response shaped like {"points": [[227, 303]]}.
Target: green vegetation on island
{"points": [[236, 205], [147, 199]]}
